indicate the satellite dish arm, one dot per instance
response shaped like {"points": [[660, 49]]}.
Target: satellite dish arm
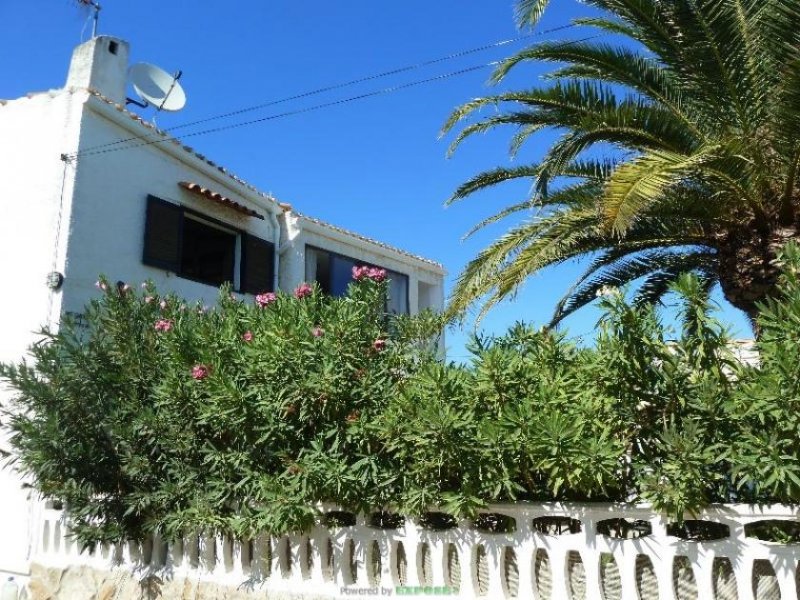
{"points": [[171, 87], [136, 102]]}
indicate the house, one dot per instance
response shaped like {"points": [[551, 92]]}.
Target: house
{"points": [[89, 187]]}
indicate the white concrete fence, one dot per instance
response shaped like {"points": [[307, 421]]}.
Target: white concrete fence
{"points": [[547, 551]]}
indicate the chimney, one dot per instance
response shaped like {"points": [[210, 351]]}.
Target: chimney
{"points": [[101, 64]]}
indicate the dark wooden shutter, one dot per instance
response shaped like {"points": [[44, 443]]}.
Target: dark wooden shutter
{"points": [[162, 234], [257, 265]]}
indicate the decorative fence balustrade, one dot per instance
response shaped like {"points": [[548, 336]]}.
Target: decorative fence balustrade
{"points": [[541, 551]]}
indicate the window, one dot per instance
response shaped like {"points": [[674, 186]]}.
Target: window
{"points": [[208, 253], [204, 250], [334, 272]]}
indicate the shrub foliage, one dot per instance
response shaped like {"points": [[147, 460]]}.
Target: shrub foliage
{"points": [[245, 417]]}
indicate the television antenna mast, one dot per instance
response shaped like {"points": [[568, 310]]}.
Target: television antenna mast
{"points": [[95, 7]]}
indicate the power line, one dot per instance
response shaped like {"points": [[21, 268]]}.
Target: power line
{"points": [[388, 90], [342, 85], [106, 150]]}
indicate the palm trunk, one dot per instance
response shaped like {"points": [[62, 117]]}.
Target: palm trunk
{"points": [[748, 269]]}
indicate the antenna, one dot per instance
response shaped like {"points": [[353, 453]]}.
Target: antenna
{"points": [[95, 6], [156, 88]]}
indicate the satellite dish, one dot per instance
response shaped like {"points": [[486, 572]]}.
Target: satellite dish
{"points": [[157, 88]]}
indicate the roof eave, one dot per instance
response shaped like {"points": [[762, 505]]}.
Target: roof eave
{"points": [[185, 154], [343, 235]]}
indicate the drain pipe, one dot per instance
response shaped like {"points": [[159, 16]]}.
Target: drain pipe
{"points": [[276, 261]]}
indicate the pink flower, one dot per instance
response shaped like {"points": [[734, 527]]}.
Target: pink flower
{"points": [[303, 290], [360, 273], [148, 299], [377, 274], [163, 325], [379, 344], [247, 336], [200, 372], [364, 272], [317, 332], [265, 299], [101, 285], [163, 304]]}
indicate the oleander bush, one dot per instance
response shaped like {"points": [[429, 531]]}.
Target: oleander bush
{"points": [[160, 414], [245, 417]]}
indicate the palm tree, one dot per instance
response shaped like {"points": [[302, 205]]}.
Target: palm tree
{"points": [[700, 101]]}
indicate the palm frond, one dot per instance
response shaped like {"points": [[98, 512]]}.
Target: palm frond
{"points": [[778, 22], [608, 26], [535, 97], [522, 135], [574, 143], [581, 194], [520, 119], [524, 249], [491, 178], [499, 216], [462, 112], [597, 170], [660, 283], [611, 64], [626, 269], [647, 21], [642, 182], [528, 12]]}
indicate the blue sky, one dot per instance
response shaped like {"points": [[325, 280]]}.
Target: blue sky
{"points": [[376, 166]]}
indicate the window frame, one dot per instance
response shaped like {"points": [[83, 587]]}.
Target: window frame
{"points": [[238, 262], [332, 253]]}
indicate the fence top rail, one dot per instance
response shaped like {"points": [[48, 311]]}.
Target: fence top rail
{"points": [[613, 509]]}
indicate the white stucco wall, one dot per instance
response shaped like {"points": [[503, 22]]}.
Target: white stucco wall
{"points": [[34, 131], [107, 226], [83, 218], [300, 232]]}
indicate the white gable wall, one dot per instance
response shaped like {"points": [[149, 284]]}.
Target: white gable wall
{"points": [[108, 220]]}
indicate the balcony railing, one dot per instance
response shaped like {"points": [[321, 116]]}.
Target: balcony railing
{"points": [[541, 551]]}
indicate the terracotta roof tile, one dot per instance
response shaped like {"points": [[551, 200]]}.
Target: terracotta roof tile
{"points": [[198, 189]]}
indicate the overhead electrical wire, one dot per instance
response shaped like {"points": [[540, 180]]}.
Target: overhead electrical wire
{"points": [[338, 86], [117, 146], [352, 82], [387, 90]]}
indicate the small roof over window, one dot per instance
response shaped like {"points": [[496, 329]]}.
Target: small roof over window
{"points": [[208, 194]]}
